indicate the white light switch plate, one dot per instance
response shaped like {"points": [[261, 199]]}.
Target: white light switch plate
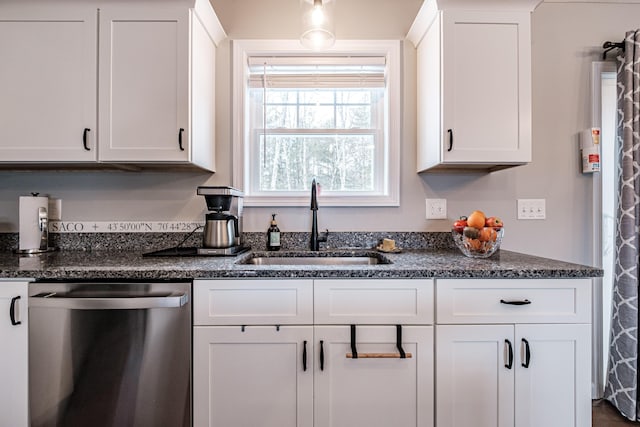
{"points": [[532, 209], [436, 208]]}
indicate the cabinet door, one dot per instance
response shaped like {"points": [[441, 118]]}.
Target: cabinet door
{"points": [[474, 383], [144, 54], [254, 377], [373, 392], [48, 83], [14, 356], [486, 87], [555, 388]]}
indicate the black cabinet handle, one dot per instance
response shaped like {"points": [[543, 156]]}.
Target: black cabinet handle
{"points": [[509, 365], [321, 355], [180, 139], [12, 311], [450, 131], [304, 356], [84, 138], [403, 355], [354, 350], [527, 352], [523, 302]]}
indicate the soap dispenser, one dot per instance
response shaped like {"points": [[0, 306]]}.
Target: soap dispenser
{"points": [[273, 235]]}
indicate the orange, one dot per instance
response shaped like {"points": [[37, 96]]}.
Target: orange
{"points": [[474, 244], [476, 219], [487, 234]]}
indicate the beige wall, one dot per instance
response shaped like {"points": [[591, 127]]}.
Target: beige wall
{"points": [[566, 39]]}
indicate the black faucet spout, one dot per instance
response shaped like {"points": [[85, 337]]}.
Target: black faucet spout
{"points": [[315, 238], [314, 198]]}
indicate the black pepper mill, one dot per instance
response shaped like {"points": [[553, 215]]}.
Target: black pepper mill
{"points": [[273, 235]]}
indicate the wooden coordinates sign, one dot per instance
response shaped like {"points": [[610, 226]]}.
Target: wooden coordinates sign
{"points": [[123, 226]]}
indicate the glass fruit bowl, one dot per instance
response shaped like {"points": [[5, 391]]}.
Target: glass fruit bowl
{"points": [[478, 243]]}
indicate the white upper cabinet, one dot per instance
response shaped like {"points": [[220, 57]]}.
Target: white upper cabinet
{"points": [[150, 101], [143, 83], [156, 84], [473, 84], [48, 83]]}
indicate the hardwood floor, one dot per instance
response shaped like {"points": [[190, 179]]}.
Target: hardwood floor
{"points": [[604, 414]]}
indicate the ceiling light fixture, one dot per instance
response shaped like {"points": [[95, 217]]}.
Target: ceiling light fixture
{"points": [[317, 24]]}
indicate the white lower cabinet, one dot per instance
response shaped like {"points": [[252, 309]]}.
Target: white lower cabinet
{"points": [[473, 387], [379, 391], [507, 353], [14, 361], [284, 370], [253, 376], [526, 368], [253, 353], [555, 388]]}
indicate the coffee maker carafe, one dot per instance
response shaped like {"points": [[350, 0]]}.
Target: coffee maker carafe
{"points": [[223, 224], [221, 230]]}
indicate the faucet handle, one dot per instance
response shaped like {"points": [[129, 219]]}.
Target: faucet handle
{"points": [[324, 236]]}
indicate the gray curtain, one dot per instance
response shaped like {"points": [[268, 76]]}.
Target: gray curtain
{"points": [[622, 377]]}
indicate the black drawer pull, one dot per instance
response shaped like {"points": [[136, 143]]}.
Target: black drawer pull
{"points": [[12, 311], [450, 139], [321, 355], [523, 302]]}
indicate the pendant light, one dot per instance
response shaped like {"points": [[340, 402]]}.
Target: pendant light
{"points": [[317, 24]]}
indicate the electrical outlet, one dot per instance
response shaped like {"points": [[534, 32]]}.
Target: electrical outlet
{"points": [[436, 208], [532, 209]]}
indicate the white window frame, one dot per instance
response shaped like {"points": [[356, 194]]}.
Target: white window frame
{"points": [[243, 49]]}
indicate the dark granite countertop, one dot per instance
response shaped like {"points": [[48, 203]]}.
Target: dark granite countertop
{"points": [[413, 263]]}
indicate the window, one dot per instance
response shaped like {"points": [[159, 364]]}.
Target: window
{"points": [[332, 117]]}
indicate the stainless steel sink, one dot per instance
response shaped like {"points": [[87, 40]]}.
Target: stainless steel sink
{"points": [[315, 259]]}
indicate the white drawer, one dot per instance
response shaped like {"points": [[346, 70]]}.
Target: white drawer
{"points": [[373, 301], [252, 302], [496, 301]]}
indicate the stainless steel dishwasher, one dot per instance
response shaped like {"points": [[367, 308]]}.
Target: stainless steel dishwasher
{"points": [[110, 354]]}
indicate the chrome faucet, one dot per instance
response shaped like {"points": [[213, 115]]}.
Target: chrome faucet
{"points": [[315, 238]]}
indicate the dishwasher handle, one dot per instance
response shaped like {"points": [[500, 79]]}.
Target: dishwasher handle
{"points": [[50, 300]]}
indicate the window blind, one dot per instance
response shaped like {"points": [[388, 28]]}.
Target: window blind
{"points": [[317, 72]]}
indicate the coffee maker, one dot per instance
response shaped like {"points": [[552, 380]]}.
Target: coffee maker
{"points": [[223, 224]]}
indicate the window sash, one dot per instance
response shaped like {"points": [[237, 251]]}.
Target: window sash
{"points": [[378, 168]]}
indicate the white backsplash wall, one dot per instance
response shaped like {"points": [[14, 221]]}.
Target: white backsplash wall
{"points": [[566, 38]]}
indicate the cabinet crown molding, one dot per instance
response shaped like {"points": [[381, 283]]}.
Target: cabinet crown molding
{"points": [[430, 8]]}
